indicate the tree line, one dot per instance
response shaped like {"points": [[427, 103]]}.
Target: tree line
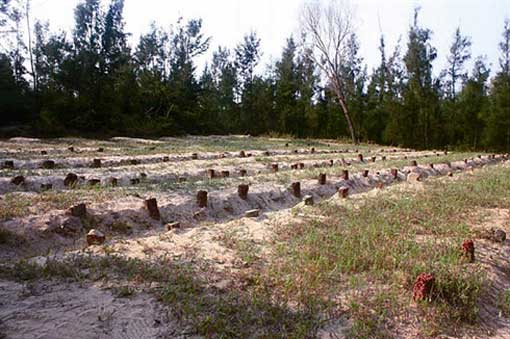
{"points": [[91, 81]]}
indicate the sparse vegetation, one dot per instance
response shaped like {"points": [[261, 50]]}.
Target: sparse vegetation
{"points": [[359, 253], [351, 262], [504, 303]]}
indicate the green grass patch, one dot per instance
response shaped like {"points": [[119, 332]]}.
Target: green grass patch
{"points": [[387, 243]]}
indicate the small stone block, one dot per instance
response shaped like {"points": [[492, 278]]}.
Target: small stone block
{"points": [[252, 213], [95, 237], [343, 192], [112, 182], [173, 226], [308, 200]]}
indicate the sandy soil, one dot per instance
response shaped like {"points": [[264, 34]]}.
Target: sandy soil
{"points": [[56, 310], [60, 310]]}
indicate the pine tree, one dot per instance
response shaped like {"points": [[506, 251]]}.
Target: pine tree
{"points": [[472, 104], [286, 91], [186, 43], [354, 76], [422, 121], [498, 120], [224, 75], [459, 54], [455, 73], [307, 82], [376, 113], [247, 57]]}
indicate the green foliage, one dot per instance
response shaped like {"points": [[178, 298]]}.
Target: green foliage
{"points": [[93, 82]]}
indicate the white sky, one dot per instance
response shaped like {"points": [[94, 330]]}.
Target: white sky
{"points": [[274, 20]]}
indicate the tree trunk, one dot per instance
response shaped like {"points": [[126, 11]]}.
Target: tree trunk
{"points": [[347, 115]]}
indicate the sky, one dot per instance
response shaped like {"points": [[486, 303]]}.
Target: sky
{"points": [[227, 21]]}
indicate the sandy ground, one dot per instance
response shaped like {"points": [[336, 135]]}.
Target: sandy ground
{"points": [[51, 310], [56, 310]]}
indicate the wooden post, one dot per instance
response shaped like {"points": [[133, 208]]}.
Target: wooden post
{"points": [[152, 207], [48, 164], [202, 199], [18, 180], [70, 180], [345, 174], [79, 210], [394, 173], [468, 247], [242, 191], [296, 189], [343, 192], [322, 179], [8, 164]]}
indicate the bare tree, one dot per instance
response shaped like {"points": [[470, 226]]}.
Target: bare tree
{"points": [[326, 28], [29, 31]]}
